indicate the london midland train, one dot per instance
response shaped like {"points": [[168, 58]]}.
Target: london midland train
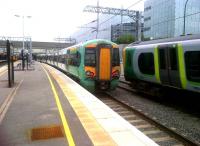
{"points": [[94, 64], [168, 62]]}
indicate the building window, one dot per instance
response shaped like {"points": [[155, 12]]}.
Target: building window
{"points": [[146, 63], [147, 18], [147, 29], [147, 8], [192, 62]]}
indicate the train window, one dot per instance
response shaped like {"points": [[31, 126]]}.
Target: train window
{"points": [[63, 59], [146, 63], [192, 62], [78, 57], [90, 57], [162, 59], [173, 58], [115, 57], [74, 59]]}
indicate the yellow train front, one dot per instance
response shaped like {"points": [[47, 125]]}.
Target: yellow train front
{"points": [[101, 65]]}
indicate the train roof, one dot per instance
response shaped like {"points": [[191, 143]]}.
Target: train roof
{"points": [[95, 41], [175, 39]]}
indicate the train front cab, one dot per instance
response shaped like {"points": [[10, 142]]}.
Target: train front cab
{"points": [[102, 66]]}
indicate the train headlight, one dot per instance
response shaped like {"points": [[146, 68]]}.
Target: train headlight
{"points": [[115, 74], [89, 74]]}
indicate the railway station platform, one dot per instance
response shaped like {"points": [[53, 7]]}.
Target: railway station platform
{"points": [[45, 107]]}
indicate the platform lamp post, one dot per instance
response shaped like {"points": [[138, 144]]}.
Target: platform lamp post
{"points": [[22, 16], [184, 17], [97, 27]]}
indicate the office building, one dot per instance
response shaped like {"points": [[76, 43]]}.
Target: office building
{"points": [[165, 18], [108, 28]]}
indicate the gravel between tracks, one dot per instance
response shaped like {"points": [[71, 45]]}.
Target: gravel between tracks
{"points": [[182, 121]]}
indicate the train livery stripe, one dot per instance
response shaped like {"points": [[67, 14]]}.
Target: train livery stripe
{"points": [[60, 109], [182, 66], [157, 73]]}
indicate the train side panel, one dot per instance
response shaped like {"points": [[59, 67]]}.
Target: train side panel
{"points": [[173, 64]]}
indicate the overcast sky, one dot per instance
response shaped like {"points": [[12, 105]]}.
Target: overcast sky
{"points": [[50, 18]]}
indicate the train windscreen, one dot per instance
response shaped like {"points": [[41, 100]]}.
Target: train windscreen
{"points": [[115, 57], [90, 57]]}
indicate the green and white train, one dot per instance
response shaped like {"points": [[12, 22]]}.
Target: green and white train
{"points": [[168, 62], [95, 64]]}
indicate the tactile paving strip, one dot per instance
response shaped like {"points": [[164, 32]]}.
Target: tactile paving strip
{"points": [[47, 132]]}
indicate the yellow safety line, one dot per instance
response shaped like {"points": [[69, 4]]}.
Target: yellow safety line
{"points": [[62, 115], [95, 131], [7, 101]]}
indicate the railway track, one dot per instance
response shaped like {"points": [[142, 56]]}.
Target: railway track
{"points": [[161, 134], [152, 91], [126, 86]]}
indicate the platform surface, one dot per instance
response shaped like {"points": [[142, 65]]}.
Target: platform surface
{"points": [[45, 98]]}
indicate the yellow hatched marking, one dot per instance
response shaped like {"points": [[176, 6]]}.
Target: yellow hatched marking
{"points": [[97, 134], [62, 115]]}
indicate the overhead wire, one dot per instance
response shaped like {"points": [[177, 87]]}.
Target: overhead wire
{"points": [[168, 20], [113, 16]]}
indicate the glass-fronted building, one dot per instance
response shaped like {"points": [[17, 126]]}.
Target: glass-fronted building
{"points": [[125, 28], [165, 18], [106, 21]]}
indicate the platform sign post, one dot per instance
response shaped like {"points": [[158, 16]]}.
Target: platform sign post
{"points": [[10, 54], [27, 60], [23, 60]]}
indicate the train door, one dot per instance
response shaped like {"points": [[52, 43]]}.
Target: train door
{"points": [[168, 65], [104, 63]]}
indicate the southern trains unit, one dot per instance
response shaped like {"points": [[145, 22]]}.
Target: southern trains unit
{"points": [[168, 62], [95, 64]]}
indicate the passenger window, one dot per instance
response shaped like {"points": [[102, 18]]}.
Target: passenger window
{"points": [[73, 59], [146, 63], [192, 62], [115, 57], [78, 56], [162, 59], [90, 57], [173, 58]]}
